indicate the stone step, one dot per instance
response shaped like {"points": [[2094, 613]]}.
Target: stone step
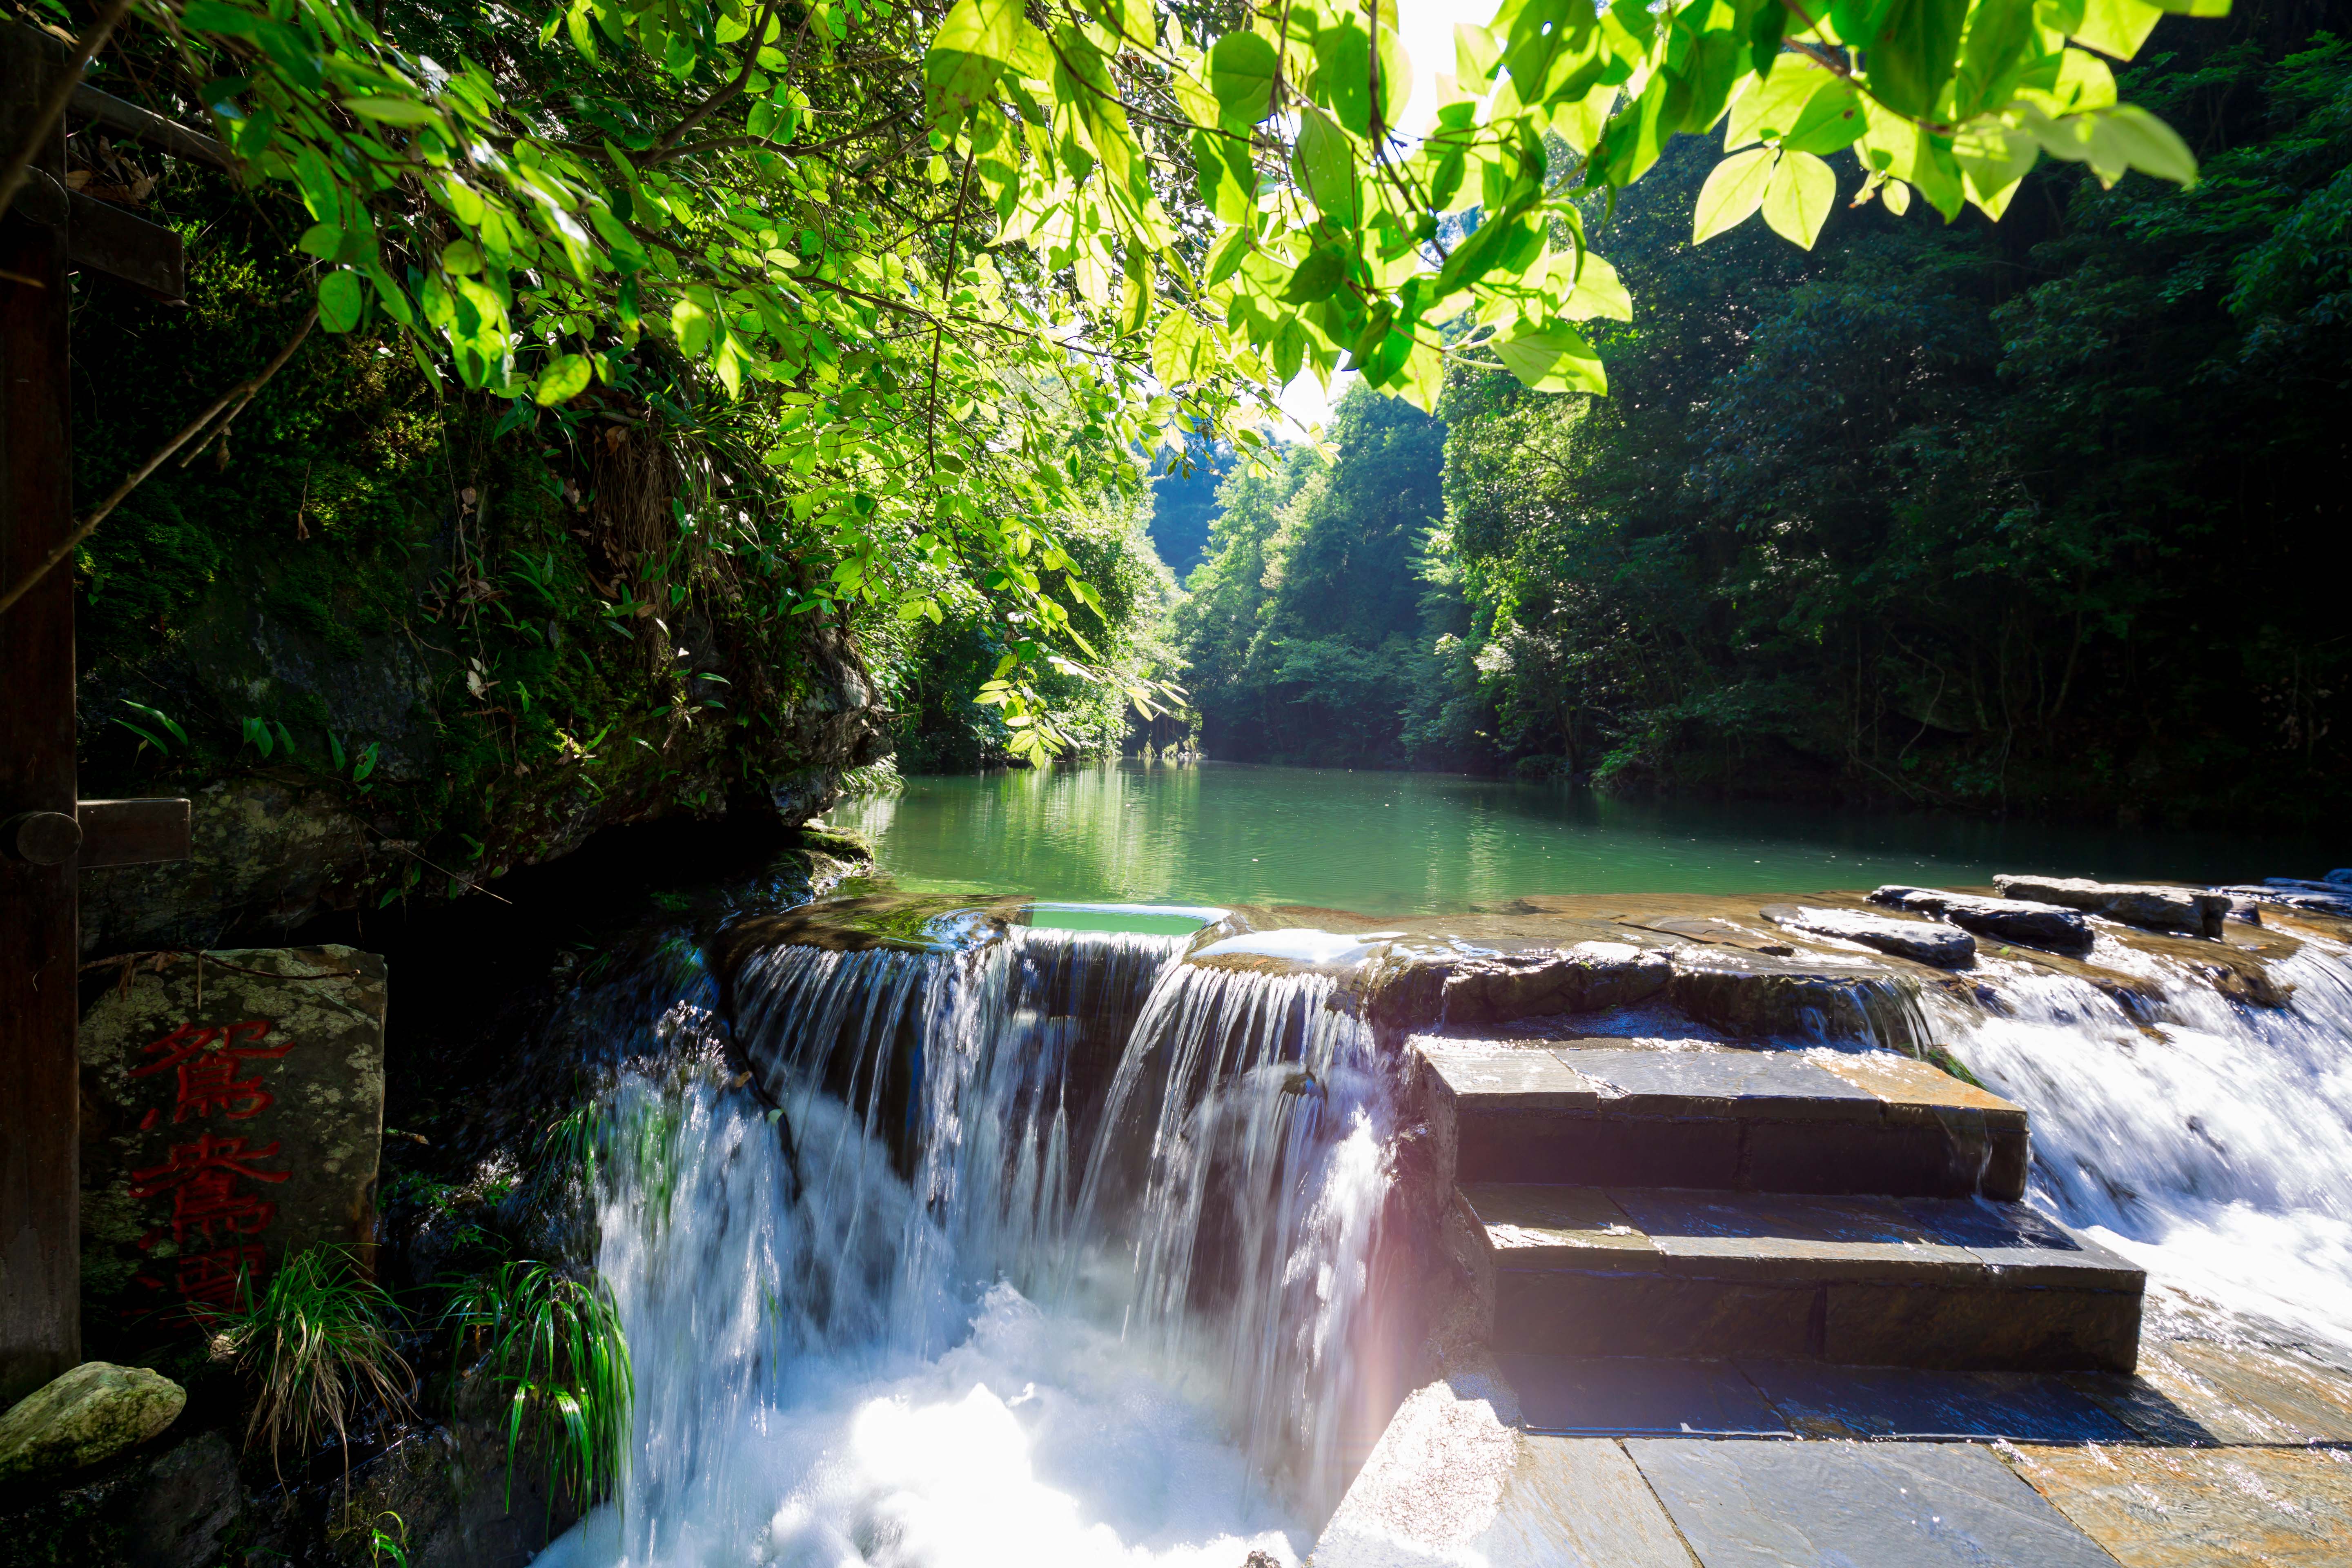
{"points": [[1931, 1282], [1603, 1111]]}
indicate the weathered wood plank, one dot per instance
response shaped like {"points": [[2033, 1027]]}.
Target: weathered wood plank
{"points": [[40, 1329], [132, 832]]}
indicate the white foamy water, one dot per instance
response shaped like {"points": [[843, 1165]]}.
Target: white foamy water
{"points": [[986, 1287], [2209, 1141]]}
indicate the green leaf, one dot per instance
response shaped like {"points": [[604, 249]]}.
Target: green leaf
{"points": [[566, 379], [2117, 28], [1325, 162], [1911, 53], [1555, 359], [1798, 198], [1732, 193], [394, 110], [1998, 48], [1771, 108], [1227, 178], [340, 299], [1475, 55], [971, 51], [2128, 136], [1241, 69], [1597, 291], [1343, 74]]}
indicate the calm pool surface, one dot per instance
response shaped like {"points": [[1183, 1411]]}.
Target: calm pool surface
{"points": [[1399, 843]]}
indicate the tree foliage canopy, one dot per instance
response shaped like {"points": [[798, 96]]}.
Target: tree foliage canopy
{"points": [[968, 265]]}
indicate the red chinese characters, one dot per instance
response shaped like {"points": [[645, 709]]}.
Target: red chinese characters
{"points": [[207, 1061], [202, 1178], [217, 1182]]}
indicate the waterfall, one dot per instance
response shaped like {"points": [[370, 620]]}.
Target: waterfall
{"points": [[2209, 1140], [1044, 1246]]}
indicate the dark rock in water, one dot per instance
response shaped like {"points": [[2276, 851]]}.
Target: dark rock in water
{"points": [[2247, 912], [1916, 940], [2052, 926], [2139, 904], [1753, 995], [1588, 975], [2342, 877], [2293, 893]]}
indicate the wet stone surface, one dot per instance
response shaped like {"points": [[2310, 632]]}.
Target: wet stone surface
{"points": [[2202, 1508], [232, 1109], [1921, 941], [1768, 1505]]}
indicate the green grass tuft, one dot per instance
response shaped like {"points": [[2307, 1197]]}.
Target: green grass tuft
{"points": [[554, 1343], [322, 1341]]}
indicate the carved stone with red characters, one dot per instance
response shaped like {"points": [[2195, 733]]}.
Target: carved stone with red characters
{"points": [[232, 1110]]}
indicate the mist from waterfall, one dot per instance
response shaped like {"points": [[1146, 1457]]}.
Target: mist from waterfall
{"points": [[1048, 1251], [2208, 1141]]}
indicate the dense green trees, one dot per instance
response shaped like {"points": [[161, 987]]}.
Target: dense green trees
{"points": [[2033, 517], [1299, 625]]}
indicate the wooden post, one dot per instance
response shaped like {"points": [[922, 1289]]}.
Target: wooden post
{"points": [[40, 1281]]}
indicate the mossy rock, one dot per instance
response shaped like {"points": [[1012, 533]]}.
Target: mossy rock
{"points": [[85, 1417]]}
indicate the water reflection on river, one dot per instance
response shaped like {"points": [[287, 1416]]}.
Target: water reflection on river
{"points": [[1404, 842]]}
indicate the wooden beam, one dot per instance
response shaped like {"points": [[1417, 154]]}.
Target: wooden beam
{"points": [[40, 1149], [132, 832], [125, 246], [147, 129]]}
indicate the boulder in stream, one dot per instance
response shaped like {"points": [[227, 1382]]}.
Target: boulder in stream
{"points": [[1920, 940], [2019, 921], [2140, 904]]}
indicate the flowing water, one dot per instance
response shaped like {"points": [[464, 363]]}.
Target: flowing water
{"points": [[1047, 1250], [2207, 1141], [1044, 1246]]}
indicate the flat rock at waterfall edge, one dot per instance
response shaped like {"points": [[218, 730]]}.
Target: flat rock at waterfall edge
{"points": [[1922, 942], [2187, 1508], [2006, 920], [2157, 907]]}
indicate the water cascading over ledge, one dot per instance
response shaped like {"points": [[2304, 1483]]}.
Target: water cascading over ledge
{"points": [[946, 1145]]}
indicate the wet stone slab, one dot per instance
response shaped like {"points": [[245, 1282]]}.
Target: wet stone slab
{"points": [[1948, 1284], [232, 1110], [1640, 1397], [1924, 1505], [2244, 1396], [1889, 1402], [2201, 1508]]}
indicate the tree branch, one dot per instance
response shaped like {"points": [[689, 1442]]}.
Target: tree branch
{"points": [[239, 395], [12, 179]]}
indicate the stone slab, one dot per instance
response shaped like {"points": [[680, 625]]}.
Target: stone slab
{"points": [[1599, 1110], [2180, 1507], [1922, 942], [2159, 908], [1784, 1239], [232, 1109], [2003, 920], [1905, 1081], [1834, 1504], [1866, 1281], [1507, 1078], [1640, 1397], [1578, 1503], [1647, 1082], [1818, 1401], [2243, 1395]]}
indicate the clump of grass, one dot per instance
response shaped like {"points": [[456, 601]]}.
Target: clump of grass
{"points": [[322, 1341], [552, 1341]]}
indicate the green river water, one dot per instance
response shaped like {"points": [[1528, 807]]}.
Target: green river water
{"points": [[1407, 843]]}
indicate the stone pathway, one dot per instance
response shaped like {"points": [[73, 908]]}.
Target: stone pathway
{"points": [[2211, 1455]]}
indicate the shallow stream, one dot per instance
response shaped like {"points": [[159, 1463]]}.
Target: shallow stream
{"points": [[1043, 1247]]}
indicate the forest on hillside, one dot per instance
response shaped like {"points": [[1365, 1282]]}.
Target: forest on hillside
{"points": [[2026, 517]]}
